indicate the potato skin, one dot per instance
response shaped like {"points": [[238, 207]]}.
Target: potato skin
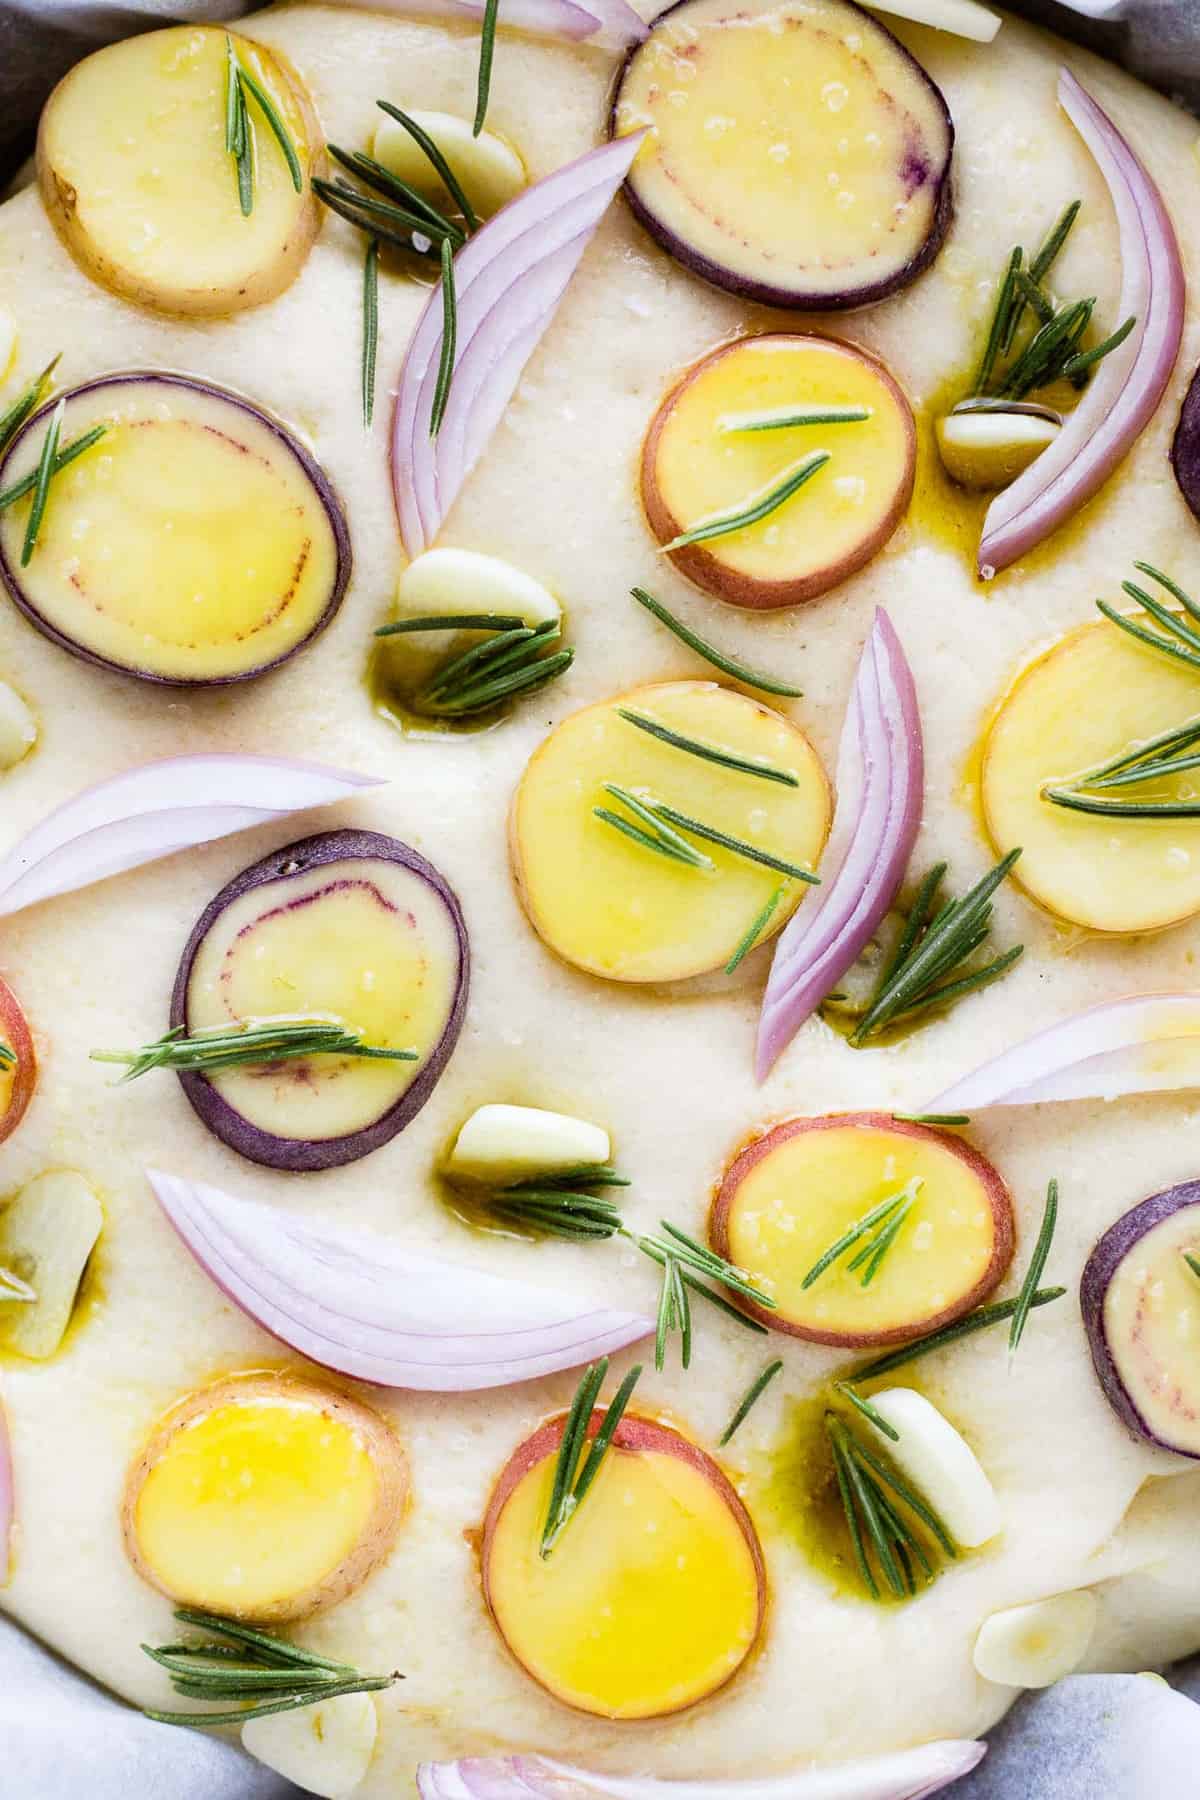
{"points": [[15, 1027], [733, 585], [988, 1177], [382, 1445], [634, 1433], [59, 198]]}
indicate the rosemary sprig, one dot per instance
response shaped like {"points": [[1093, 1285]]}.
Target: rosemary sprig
{"points": [[728, 759], [1037, 1265], [258, 1673], [654, 833], [737, 846], [66, 455], [370, 328], [930, 965], [12, 1288], [1002, 316], [786, 418], [688, 1267], [758, 507], [753, 1393], [508, 663], [380, 218], [876, 1227], [487, 51], [255, 1042], [439, 162], [757, 926], [933, 1118], [881, 1535], [239, 127], [46, 470], [397, 194], [980, 1320], [571, 1483], [718, 658], [445, 374], [655, 840], [559, 1204], [12, 421]]}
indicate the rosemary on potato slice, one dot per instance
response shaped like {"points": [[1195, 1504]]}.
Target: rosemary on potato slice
{"points": [[48, 466], [755, 929], [718, 658], [256, 1042], [571, 1482], [240, 141], [788, 418], [871, 1237], [757, 508], [66, 455], [8, 1058], [714, 753], [256, 1672]]}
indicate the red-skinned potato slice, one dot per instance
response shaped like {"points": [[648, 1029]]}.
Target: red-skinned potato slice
{"points": [[196, 543], [18, 1079], [264, 1497], [789, 1196], [1141, 1310], [351, 924], [799, 156], [654, 1594], [697, 463]]}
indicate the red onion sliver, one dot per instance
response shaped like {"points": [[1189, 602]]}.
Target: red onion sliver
{"points": [[1142, 1044], [509, 279], [8, 1511], [368, 1307], [880, 786], [899, 1775], [1128, 385], [155, 810]]}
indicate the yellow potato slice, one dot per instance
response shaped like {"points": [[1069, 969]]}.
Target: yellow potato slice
{"points": [[264, 1497], [653, 1596], [625, 912], [1092, 695], [697, 462], [136, 177]]}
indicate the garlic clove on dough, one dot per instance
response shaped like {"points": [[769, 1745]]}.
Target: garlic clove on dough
{"points": [[1036, 1645], [506, 1142], [326, 1749], [941, 1464]]}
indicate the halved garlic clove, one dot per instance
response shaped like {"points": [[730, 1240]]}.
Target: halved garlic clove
{"points": [[18, 727], [1036, 1645], [488, 169], [504, 1143], [8, 342], [462, 582], [988, 447], [46, 1237], [326, 1749], [941, 1464]]}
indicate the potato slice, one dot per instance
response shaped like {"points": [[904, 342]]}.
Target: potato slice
{"points": [[18, 1077], [326, 1748], [696, 462], [798, 155], [622, 911], [47, 1235], [488, 169], [197, 541], [794, 1193], [264, 1497], [136, 178], [1091, 695], [654, 1594]]}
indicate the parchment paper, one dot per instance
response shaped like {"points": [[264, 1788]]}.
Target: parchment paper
{"points": [[1093, 1737]]}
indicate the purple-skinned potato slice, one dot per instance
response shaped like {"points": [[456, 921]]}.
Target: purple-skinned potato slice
{"points": [[1141, 1308], [1185, 446], [803, 163], [196, 542], [348, 924]]}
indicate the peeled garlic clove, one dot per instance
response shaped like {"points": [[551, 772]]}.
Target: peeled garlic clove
{"points": [[460, 582], [504, 1143], [940, 1462], [46, 1236], [8, 342], [489, 171], [1036, 1645], [326, 1749], [18, 727], [988, 449]]}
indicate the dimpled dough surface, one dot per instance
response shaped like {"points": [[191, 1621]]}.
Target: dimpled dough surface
{"points": [[669, 1074]]}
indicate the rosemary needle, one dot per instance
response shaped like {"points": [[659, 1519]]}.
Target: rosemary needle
{"points": [[871, 1413], [665, 836], [754, 510], [980, 1320], [738, 846], [1037, 1264], [370, 327], [257, 1042], [453, 622], [756, 929], [487, 51], [559, 1204], [66, 455], [46, 469], [449, 179], [753, 1393], [933, 1118], [1193, 1263], [877, 1220], [398, 193], [786, 418], [718, 658], [278, 129], [728, 759], [445, 374], [571, 1483], [8, 1058]]}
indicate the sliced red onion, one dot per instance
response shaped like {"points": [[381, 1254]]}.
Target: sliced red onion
{"points": [[369, 1307], [8, 1511], [612, 23], [509, 279], [900, 1775], [1143, 1044], [157, 809], [1128, 385], [880, 791]]}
